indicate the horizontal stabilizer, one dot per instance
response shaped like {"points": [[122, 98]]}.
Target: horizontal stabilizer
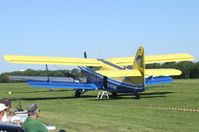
{"points": [[135, 72], [65, 85], [119, 73], [158, 80], [162, 72], [125, 61], [51, 60]]}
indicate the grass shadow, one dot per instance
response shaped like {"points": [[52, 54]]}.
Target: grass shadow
{"points": [[52, 98], [93, 97], [132, 96]]}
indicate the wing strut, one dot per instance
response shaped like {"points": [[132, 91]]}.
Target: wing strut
{"points": [[105, 82]]}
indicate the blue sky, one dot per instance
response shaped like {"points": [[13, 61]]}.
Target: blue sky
{"points": [[103, 28]]}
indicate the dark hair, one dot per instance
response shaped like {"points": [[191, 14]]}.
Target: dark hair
{"points": [[62, 131], [32, 109], [6, 101]]}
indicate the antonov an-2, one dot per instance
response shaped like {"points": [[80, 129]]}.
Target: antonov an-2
{"points": [[111, 75]]}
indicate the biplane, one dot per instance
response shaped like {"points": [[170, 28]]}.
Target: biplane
{"points": [[116, 75]]}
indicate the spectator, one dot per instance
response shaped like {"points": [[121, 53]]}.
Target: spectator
{"points": [[9, 112], [31, 124], [2, 111]]}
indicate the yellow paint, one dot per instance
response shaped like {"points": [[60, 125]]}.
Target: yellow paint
{"points": [[125, 61], [119, 73], [52, 60]]}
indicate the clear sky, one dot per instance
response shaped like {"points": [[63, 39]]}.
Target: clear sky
{"points": [[103, 28]]}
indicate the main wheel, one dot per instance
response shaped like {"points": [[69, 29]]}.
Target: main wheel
{"points": [[77, 93], [114, 94], [137, 96]]}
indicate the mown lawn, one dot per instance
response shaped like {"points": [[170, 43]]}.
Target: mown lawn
{"points": [[86, 114]]}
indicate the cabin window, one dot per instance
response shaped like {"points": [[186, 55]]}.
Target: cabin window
{"points": [[139, 60]]}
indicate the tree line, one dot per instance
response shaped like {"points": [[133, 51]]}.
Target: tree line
{"points": [[189, 70]]}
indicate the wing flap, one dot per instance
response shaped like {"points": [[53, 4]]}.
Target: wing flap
{"points": [[51, 60]]}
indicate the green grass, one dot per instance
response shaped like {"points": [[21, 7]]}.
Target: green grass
{"points": [[87, 114]]}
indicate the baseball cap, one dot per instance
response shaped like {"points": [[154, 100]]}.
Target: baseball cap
{"points": [[2, 107]]}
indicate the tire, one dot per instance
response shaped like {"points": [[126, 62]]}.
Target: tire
{"points": [[77, 93], [114, 94]]}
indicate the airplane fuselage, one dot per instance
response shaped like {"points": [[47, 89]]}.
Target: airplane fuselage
{"points": [[113, 85]]}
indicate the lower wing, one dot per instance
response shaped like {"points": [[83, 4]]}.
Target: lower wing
{"points": [[56, 82], [65, 85]]}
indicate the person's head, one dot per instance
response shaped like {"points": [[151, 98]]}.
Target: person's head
{"points": [[2, 109], [33, 110], [62, 130], [7, 102]]}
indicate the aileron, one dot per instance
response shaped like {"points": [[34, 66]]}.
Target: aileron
{"points": [[52, 60]]}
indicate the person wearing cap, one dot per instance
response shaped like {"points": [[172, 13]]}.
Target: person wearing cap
{"points": [[2, 110], [9, 112], [32, 124]]}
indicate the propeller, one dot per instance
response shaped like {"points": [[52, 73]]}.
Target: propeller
{"points": [[85, 54], [47, 73]]}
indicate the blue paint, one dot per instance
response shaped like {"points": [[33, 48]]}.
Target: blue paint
{"points": [[158, 80], [66, 85]]}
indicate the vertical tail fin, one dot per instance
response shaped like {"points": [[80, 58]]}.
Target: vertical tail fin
{"points": [[139, 63]]}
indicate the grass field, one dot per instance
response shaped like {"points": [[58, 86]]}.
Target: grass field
{"points": [[122, 114]]}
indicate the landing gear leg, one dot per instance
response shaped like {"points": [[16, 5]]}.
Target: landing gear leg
{"points": [[137, 96]]}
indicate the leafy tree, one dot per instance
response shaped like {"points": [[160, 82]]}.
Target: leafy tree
{"points": [[4, 79], [186, 68]]}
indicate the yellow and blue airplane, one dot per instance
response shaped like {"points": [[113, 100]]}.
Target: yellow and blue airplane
{"points": [[113, 74]]}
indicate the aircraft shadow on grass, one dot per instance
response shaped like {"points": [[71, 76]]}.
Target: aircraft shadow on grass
{"points": [[142, 95], [51, 98], [93, 97]]}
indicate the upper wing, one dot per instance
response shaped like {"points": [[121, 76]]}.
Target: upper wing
{"points": [[52, 60], [135, 72], [153, 59]]}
